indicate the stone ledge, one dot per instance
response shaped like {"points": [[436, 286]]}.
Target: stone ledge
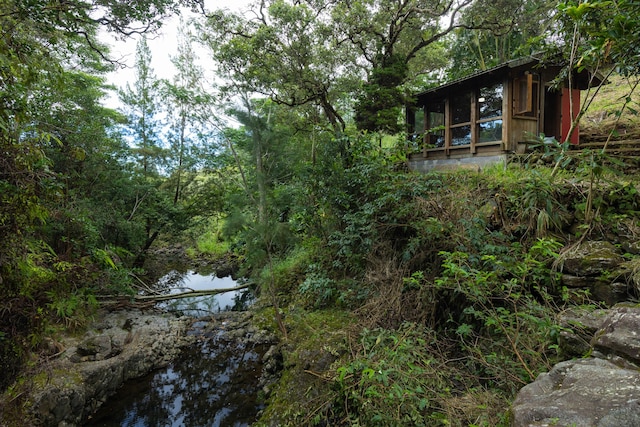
{"points": [[120, 346]]}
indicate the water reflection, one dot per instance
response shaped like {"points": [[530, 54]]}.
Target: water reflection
{"points": [[214, 383], [176, 282]]}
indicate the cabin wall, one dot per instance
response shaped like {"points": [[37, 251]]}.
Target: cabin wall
{"points": [[570, 101], [420, 164], [522, 131], [530, 107]]}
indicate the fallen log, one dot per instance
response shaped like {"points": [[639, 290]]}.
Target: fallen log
{"points": [[146, 301], [188, 294]]}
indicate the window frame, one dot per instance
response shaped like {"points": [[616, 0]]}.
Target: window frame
{"points": [[473, 124], [526, 96]]}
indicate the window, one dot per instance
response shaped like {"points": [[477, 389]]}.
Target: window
{"points": [[418, 122], [435, 124], [461, 119], [489, 124], [490, 102], [461, 135], [525, 102], [461, 109], [490, 131], [417, 125], [467, 118]]}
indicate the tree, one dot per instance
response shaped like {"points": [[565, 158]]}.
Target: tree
{"points": [[43, 115], [141, 102], [142, 109], [602, 33], [515, 35], [330, 53], [189, 115], [284, 51]]}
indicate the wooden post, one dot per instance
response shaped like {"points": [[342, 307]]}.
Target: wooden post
{"points": [[447, 125], [473, 118]]}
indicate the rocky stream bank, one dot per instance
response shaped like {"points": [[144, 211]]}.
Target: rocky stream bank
{"points": [[599, 384], [83, 372]]}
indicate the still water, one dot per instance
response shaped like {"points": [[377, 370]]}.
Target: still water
{"points": [[213, 383], [176, 282]]}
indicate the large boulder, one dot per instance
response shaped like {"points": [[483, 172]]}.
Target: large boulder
{"points": [[599, 268], [619, 334], [578, 329], [607, 291], [587, 393], [601, 391]]}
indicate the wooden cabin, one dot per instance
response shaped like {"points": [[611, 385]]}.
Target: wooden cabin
{"points": [[483, 118]]}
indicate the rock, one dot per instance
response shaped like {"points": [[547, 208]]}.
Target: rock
{"points": [[95, 348], [632, 247], [571, 281], [586, 392], [619, 334], [629, 272], [578, 328], [94, 368], [610, 293], [592, 259], [602, 391]]}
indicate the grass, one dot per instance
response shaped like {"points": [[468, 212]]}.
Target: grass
{"points": [[608, 104]]}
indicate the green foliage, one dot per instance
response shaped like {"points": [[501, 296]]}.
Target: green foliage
{"points": [[316, 340], [318, 288], [379, 106], [72, 308], [537, 203], [370, 203], [210, 243], [65, 185], [609, 33], [287, 272], [503, 311], [505, 30], [400, 377], [389, 383]]}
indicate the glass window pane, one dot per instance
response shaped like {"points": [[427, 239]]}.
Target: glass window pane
{"points": [[461, 109], [523, 97], [490, 101], [490, 131], [435, 124], [461, 135], [436, 120], [418, 121], [437, 140]]}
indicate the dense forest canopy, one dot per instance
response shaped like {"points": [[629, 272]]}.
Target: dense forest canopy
{"points": [[316, 89]]}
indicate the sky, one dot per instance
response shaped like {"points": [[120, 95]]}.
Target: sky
{"points": [[162, 45]]}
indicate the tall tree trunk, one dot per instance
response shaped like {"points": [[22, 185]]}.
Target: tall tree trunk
{"points": [[176, 197]]}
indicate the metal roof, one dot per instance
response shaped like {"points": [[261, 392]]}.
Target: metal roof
{"points": [[515, 63]]}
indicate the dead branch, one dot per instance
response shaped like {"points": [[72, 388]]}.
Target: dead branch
{"points": [[151, 299]]}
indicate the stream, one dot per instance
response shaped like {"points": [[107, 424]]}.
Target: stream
{"points": [[214, 382]]}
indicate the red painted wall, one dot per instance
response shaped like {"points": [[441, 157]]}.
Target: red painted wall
{"points": [[566, 114]]}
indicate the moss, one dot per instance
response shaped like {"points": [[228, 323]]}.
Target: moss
{"points": [[265, 319], [14, 402], [317, 340], [60, 377]]}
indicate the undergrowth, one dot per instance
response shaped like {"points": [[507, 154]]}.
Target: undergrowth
{"points": [[452, 280]]}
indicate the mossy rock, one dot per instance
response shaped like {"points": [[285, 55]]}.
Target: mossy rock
{"points": [[593, 258]]}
